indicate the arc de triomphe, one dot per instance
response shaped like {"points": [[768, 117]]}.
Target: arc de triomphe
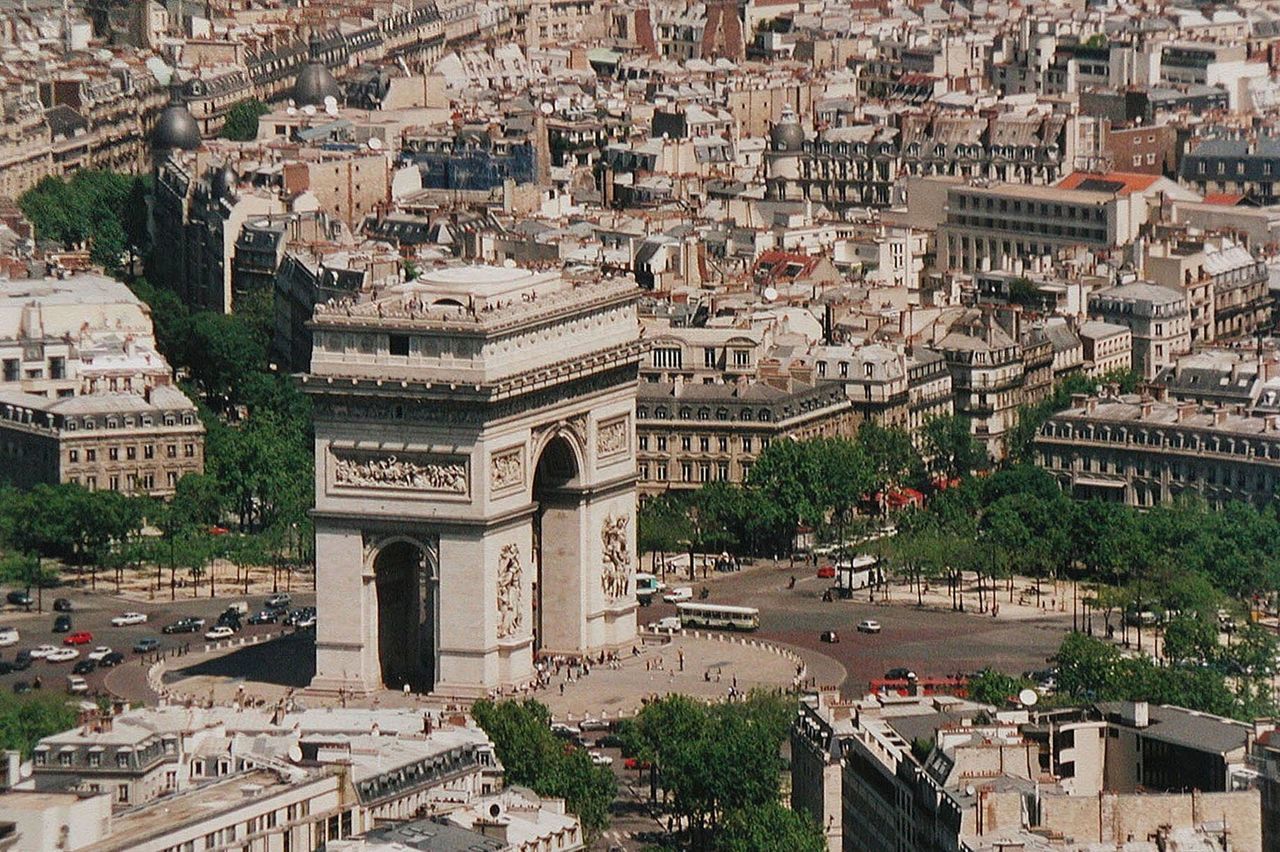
{"points": [[475, 478]]}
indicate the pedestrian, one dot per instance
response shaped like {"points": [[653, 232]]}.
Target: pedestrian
{"points": [[562, 687], [681, 655]]}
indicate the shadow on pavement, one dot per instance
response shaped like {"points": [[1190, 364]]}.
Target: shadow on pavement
{"points": [[287, 661]]}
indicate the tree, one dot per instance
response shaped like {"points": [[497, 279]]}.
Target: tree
{"points": [[242, 120], [88, 208], [534, 757], [1190, 637], [223, 353], [769, 828], [26, 720], [26, 570], [951, 448], [992, 687]]}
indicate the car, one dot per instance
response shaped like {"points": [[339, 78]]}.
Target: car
{"points": [[830, 636], [635, 763], [299, 615], [80, 637], [77, 685], [680, 594], [266, 616], [305, 622], [8, 636], [39, 652], [115, 658], [900, 673], [61, 605], [279, 600], [146, 646], [868, 625], [98, 653], [184, 625], [84, 666], [22, 660], [671, 622], [230, 618], [62, 655], [62, 624], [566, 732], [5, 667], [23, 599], [220, 632], [128, 619], [600, 759], [827, 572], [21, 687]]}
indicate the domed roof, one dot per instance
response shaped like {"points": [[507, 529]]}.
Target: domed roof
{"points": [[787, 134], [314, 84], [175, 128]]}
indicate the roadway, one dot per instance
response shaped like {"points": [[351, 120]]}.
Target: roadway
{"points": [[93, 611]]}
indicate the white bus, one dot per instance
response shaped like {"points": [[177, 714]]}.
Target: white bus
{"points": [[719, 616]]}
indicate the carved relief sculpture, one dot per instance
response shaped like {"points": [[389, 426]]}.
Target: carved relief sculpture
{"points": [[392, 472], [611, 438], [506, 469], [615, 573], [509, 596]]}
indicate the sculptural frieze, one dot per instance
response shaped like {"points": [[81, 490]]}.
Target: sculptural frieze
{"points": [[615, 573], [404, 473], [510, 597], [611, 438], [506, 469]]}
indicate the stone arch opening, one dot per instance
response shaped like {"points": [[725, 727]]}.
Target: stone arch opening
{"points": [[556, 546], [403, 575]]}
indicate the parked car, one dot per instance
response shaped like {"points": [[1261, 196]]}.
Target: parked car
{"points": [[115, 658], [9, 636], [266, 616], [600, 759], [5, 667], [61, 605], [680, 594], [62, 655], [279, 600], [900, 673], [220, 632], [84, 667], [230, 618], [827, 572], [868, 625], [39, 652], [23, 599], [22, 660], [184, 625], [295, 618], [77, 685], [830, 636], [62, 624], [80, 637], [98, 653], [145, 646], [671, 622], [306, 621], [128, 619]]}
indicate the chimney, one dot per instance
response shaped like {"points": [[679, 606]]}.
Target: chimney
{"points": [[1220, 415], [12, 768], [1136, 714], [1185, 410], [1146, 408], [1091, 405], [1078, 400]]}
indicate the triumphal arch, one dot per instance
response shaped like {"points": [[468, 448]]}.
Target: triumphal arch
{"points": [[475, 478]]}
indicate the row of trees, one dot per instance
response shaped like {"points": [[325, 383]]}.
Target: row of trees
{"points": [[819, 483], [105, 210]]}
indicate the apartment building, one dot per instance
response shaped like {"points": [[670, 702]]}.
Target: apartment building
{"points": [[689, 434], [1157, 317], [1142, 451], [1107, 347], [988, 375], [1239, 166], [1226, 286], [701, 355]]}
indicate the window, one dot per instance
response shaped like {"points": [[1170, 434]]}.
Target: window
{"points": [[662, 473], [644, 441], [74, 456], [189, 450], [704, 445], [122, 760], [57, 368], [171, 451], [704, 472], [95, 758], [709, 358], [64, 758], [643, 471], [724, 472], [113, 453], [399, 344], [686, 443], [114, 483], [12, 370], [667, 356], [741, 357], [148, 451], [130, 453], [662, 443], [723, 444], [686, 472], [746, 444]]}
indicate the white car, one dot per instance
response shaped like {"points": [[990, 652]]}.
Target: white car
{"points": [[671, 622], [220, 632], [129, 618], [868, 625], [601, 759], [41, 651], [62, 655], [8, 636], [98, 653], [680, 594], [77, 685]]}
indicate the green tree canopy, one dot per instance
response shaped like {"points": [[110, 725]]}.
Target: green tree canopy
{"points": [[242, 120]]}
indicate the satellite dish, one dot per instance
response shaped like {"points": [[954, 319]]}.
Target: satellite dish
{"points": [[331, 110], [1028, 697], [374, 143], [309, 110], [291, 111], [330, 101], [295, 753], [770, 294], [546, 108]]}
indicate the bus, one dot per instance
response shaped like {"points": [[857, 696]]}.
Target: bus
{"points": [[718, 616]]}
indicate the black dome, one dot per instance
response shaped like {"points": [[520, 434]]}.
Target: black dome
{"points": [[787, 134], [175, 128], [313, 85]]}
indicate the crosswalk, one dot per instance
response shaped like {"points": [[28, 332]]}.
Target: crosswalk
{"points": [[614, 837]]}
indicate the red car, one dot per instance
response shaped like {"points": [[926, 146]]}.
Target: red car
{"points": [[635, 763], [84, 637], [827, 572]]}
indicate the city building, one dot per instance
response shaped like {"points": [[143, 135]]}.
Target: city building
{"points": [[1157, 317]]}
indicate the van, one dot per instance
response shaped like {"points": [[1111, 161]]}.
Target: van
{"points": [[8, 636], [77, 685], [648, 584]]}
